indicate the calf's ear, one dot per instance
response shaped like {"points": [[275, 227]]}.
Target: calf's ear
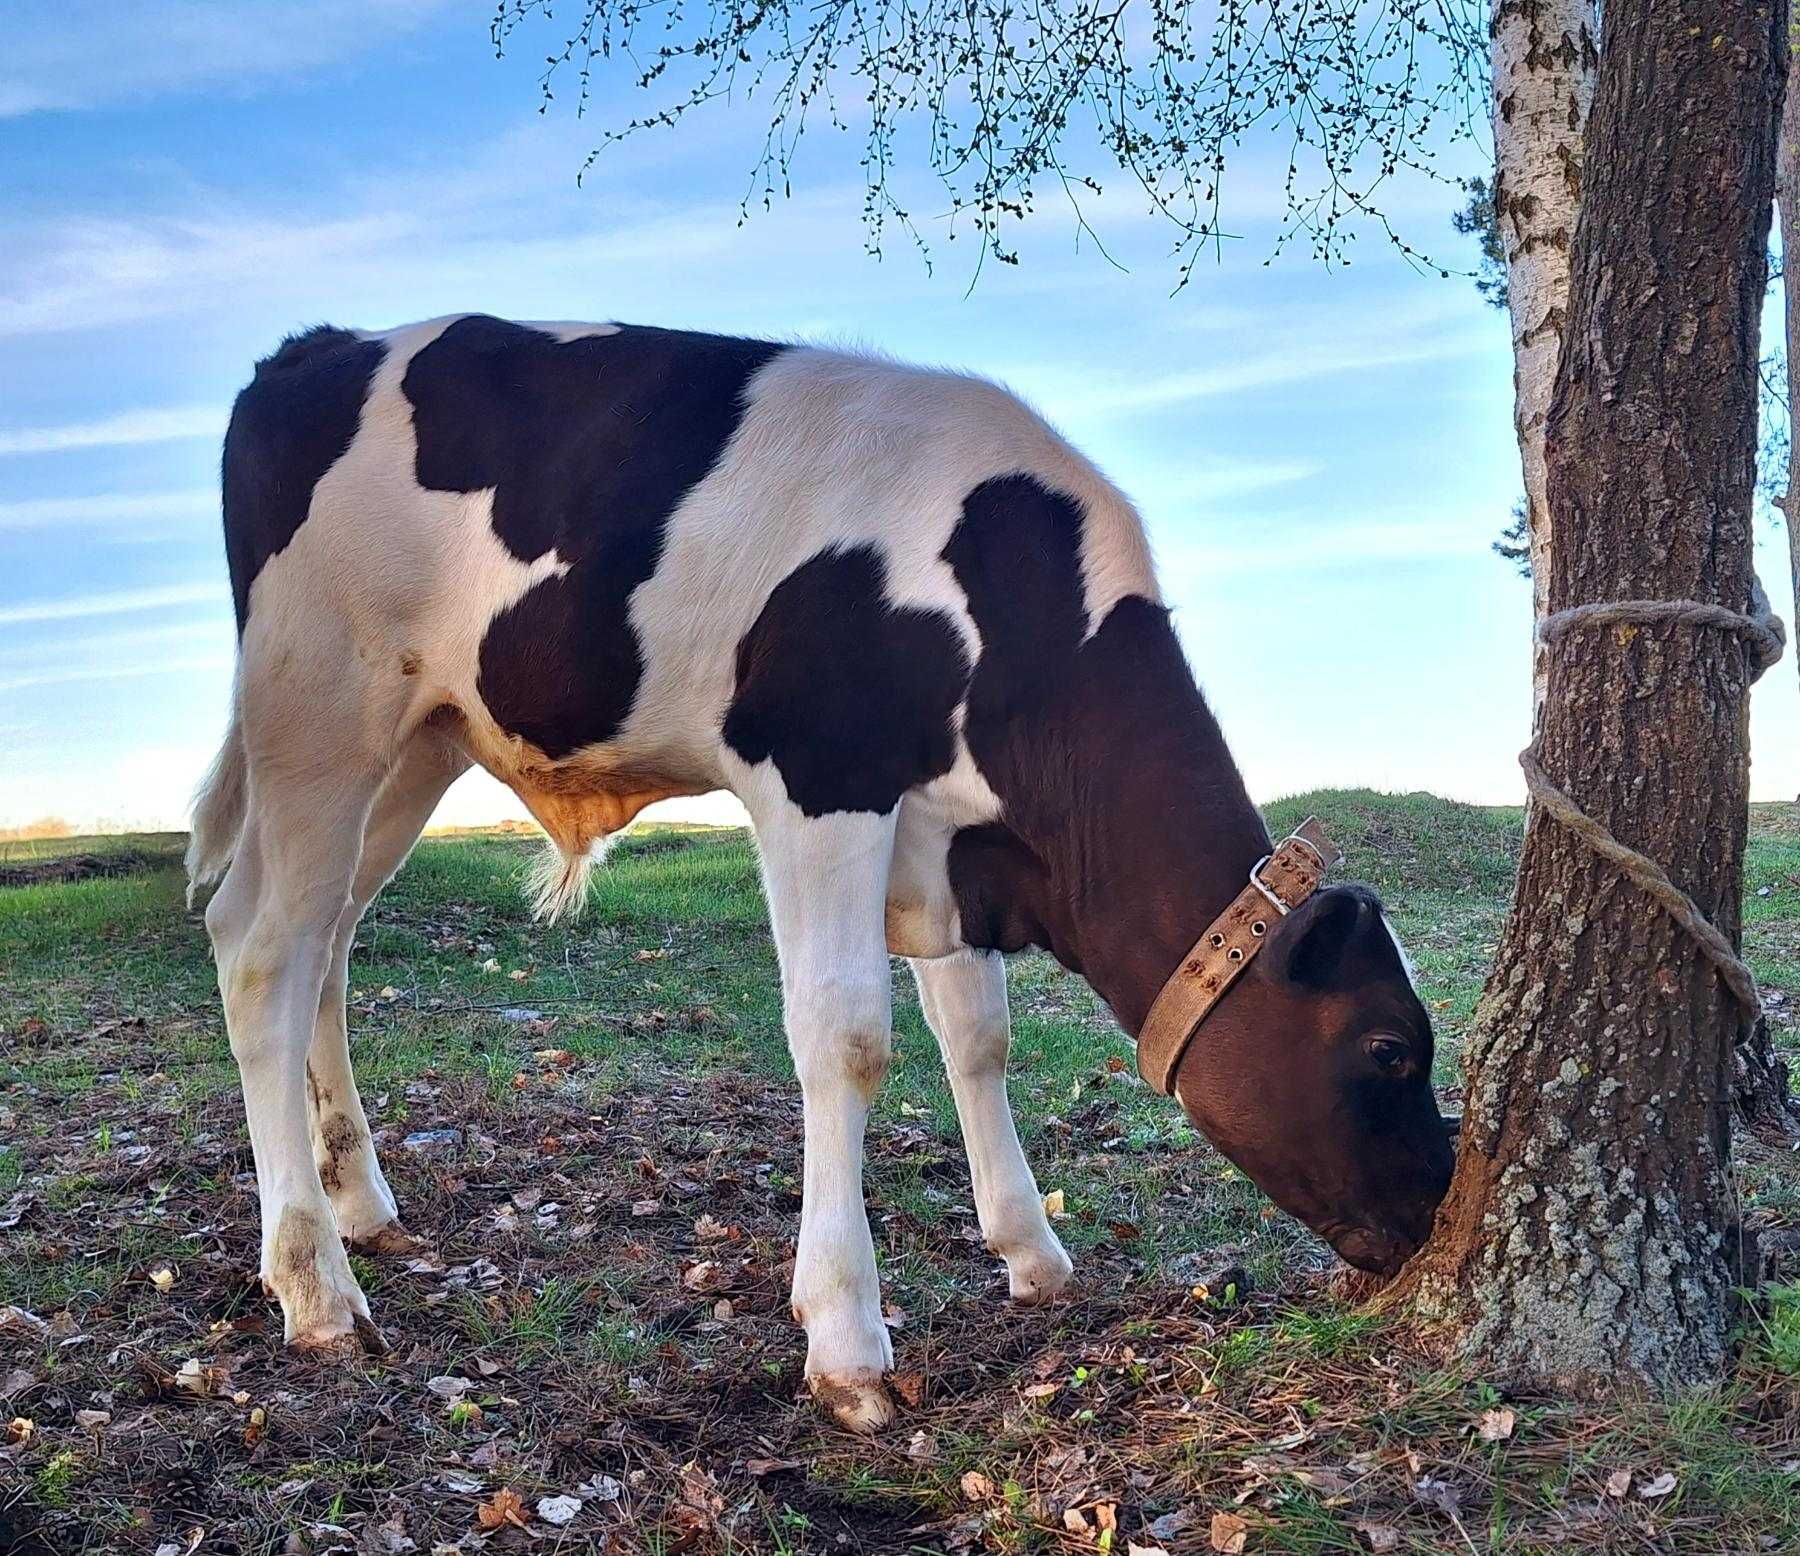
{"points": [[1318, 932]]}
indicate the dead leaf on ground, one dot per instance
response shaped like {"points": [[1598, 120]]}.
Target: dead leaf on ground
{"points": [[1228, 1534], [1660, 1487], [910, 1386], [558, 1511], [506, 1506], [976, 1487], [1380, 1537], [1439, 1494], [194, 1377], [1618, 1483], [1496, 1425]]}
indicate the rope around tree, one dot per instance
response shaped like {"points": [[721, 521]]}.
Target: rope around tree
{"points": [[1766, 637]]}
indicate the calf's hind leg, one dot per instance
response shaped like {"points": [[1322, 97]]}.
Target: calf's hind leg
{"points": [[367, 1217], [964, 997], [272, 923]]}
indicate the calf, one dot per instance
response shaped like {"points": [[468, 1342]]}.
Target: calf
{"points": [[907, 625]]}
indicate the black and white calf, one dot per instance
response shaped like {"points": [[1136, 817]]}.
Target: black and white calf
{"points": [[910, 628]]}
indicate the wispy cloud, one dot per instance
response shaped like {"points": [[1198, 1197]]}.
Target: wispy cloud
{"points": [[1211, 481], [165, 424], [64, 675], [112, 602], [71, 54], [1293, 351], [1188, 559], [107, 508], [1297, 364], [185, 636]]}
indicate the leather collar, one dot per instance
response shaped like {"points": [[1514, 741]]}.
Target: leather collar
{"points": [[1278, 884]]}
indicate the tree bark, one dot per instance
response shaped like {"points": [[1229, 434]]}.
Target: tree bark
{"points": [[1544, 54], [1760, 1078], [1787, 196], [1588, 1240]]}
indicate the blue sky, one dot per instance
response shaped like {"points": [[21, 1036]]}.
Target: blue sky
{"points": [[1322, 455]]}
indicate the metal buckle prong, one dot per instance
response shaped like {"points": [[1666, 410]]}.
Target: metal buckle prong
{"points": [[1311, 847], [1268, 891]]}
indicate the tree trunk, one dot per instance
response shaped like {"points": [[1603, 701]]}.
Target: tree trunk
{"points": [[1588, 1239], [1760, 1077], [1787, 195], [1543, 53]]}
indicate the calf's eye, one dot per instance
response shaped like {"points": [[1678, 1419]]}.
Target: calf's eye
{"points": [[1388, 1052]]}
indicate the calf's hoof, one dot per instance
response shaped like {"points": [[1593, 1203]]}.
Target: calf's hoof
{"points": [[858, 1401], [362, 1338], [389, 1238], [323, 1310], [1035, 1277]]}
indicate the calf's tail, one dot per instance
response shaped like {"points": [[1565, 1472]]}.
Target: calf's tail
{"points": [[219, 806]]}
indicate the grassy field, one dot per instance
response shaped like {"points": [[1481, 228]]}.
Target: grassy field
{"points": [[596, 1130]]}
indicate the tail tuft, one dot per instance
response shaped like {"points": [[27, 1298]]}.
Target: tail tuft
{"points": [[558, 881], [219, 806]]}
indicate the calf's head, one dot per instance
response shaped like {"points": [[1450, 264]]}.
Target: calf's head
{"points": [[1313, 1074]]}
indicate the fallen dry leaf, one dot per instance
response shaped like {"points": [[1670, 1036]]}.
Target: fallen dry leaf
{"points": [[1618, 1483], [1660, 1487], [1496, 1425], [910, 1386], [195, 1377], [976, 1487], [19, 1430], [1053, 1204], [1228, 1533], [558, 1511], [1381, 1537], [16, 1320], [1075, 1521], [162, 1278], [506, 1506]]}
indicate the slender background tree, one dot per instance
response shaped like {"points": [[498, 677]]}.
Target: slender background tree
{"points": [[1545, 53]]}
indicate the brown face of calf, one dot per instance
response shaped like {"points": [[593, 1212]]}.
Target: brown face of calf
{"points": [[1313, 1075]]}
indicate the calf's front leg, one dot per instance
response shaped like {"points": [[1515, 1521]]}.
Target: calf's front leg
{"points": [[964, 998], [826, 879]]}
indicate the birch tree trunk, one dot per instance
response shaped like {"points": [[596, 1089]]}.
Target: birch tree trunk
{"points": [[1587, 1242], [1544, 54], [1787, 198]]}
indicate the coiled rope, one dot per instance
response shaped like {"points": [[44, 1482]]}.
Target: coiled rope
{"points": [[1763, 632]]}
